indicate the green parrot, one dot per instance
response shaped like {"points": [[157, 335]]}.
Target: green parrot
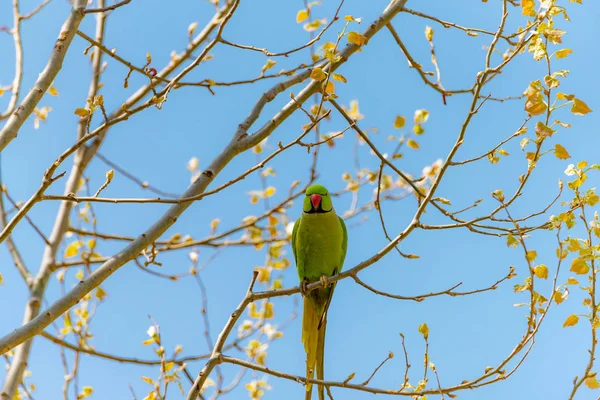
{"points": [[319, 243]]}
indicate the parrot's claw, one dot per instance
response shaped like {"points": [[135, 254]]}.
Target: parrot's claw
{"points": [[303, 288], [324, 281]]}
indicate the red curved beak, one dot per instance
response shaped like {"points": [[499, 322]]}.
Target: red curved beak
{"points": [[315, 199]]}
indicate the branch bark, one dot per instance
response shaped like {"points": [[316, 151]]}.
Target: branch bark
{"points": [[24, 110]]}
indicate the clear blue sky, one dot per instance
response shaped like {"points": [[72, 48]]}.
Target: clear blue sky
{"points": [[466, 334]]}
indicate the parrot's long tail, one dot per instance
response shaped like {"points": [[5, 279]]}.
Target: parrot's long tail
{"points": [[310, 338], [321, 357]]}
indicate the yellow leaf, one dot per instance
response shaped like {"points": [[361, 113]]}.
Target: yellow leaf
{"points": [[1, 280], [269, 171], [317, 74], [350, 18], [269, 311], [357, 38], [148, 341], [560, 152], [558, 297], [328, 46], [564, 96], [340, 78], [574, 244], [563, 53], [302, 16], [191, 28], [579, 266], [554, 35], [399, 122], [535, 106], [582, 164], [580, 108], [542, 130], [424, 330], [214, 223], [354, 112], [151, 396], [72, 249], [421, 116], [330, 87], [314, 25], [147, 380], [498, 194], [572, 281], [270, 191], [541, 271], [571, 320], [264, 274], [561, 254], [551, 82], [531, 255], [86, 392], [528, 8], [493, 158], [429, 33], [53, 91], [592, 383], [418, 129], [82, 112], [100, 293], [268, 65], [412, 144]]}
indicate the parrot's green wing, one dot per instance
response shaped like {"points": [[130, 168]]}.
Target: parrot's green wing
{"points": [[296, 225], [344, 241], [335, 272]]}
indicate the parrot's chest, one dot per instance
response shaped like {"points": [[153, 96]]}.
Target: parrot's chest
{"points": [[321, 242]]}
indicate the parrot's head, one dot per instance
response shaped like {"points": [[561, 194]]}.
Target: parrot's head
{"points": [[317, 200]]}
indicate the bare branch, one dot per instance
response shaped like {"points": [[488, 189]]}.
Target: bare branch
{"points": [[12, 249], [37, 196], [214, 357], [143, 184], [18, 78], [35, 10], [447, 292], [389, 357], [109, 8], [294, 50]]}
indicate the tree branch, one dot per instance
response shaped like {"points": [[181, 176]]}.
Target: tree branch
{"points": [[109, 8], [67, 32]]}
